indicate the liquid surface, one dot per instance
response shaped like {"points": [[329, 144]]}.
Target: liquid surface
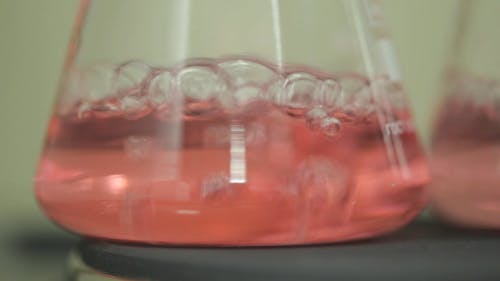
{"points": [[466, 154], [229, 152]]}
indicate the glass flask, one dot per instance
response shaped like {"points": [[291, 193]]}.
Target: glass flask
{"points": [[466, 139], [227, 122]]}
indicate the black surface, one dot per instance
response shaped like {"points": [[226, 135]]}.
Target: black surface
{"points": [[422, 251]]}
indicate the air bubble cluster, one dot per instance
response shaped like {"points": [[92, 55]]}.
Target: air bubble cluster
{"points": [[209, 88]]}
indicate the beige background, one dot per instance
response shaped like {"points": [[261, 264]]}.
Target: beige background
{"points": [[33, 40]]}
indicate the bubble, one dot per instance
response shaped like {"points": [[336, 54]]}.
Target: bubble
{"points": [[330, 127], [248, 80], [199, 83], [105, 109], [244, 72], [159, 90], [247, 94], [138, 147], [274, 89], [102, 109], [96, 82], [314, 118], [329, 95], [130, 76], [84, 111], [134, 107], [352, 83], [356, 95], [203, 90], [216, 186], [299, 95], [100, 87]]}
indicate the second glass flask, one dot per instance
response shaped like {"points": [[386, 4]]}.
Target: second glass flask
{"points": [[229, 122], [466, 136]]}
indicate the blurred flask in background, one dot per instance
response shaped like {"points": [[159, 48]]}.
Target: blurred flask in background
{"points": [[466, 138]]}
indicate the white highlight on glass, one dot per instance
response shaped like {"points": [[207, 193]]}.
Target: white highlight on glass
{"points": [[238, 154]]}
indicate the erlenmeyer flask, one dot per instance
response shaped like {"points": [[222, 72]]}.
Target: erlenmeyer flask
{"points": [[227, 122], [466, 142]]}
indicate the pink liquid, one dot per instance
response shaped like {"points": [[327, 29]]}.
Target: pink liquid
{"points": [[466, 157], [255, 173]]}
